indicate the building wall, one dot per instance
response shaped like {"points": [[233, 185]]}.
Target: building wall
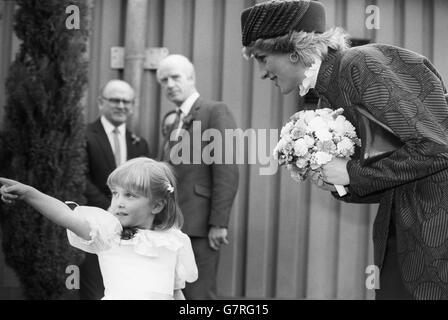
{"points": [[288, 240]]}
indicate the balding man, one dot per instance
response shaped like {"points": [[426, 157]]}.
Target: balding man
{"points": [[206, 190], [109, 144]]}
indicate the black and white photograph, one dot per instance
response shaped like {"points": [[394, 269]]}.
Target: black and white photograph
{"points": [[243, 152]]}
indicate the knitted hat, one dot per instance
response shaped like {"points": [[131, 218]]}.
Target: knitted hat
{"points": [[278, 17]]}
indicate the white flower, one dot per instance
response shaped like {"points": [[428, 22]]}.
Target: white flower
{"points": [[287, 138], [322, 158], [301, 163], [285, 144], [323, 135], [280, 144], [300, 147], [280, 148], [346, 147], [286, 129], [308, 116], [327, 146], [297, 133], [309, 141], [318, 123], [338, 126], [325, 113], [301, 126], [349, 130], [300, 123]]}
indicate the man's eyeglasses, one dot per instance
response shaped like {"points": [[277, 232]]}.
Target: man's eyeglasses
{"points": [[117, 101]]}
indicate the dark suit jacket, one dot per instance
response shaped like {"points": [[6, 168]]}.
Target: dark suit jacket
{"points": [[101, 162], [206, 191], [403, 90]]}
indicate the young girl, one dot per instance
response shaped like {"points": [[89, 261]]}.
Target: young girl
{"points": [[141, 251]]}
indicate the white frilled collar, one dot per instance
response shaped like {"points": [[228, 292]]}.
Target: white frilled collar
{"points": [[149, 242], [310, 77]]}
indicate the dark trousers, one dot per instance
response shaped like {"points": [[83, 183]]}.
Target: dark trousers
{"points": [[91, 281], [207, 261]]}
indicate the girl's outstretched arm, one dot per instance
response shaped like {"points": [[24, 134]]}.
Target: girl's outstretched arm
{"points": [[53, 209]]}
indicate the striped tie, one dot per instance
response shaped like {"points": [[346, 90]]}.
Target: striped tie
{"points": [[168, 144], [177, 122], [117, 150]]}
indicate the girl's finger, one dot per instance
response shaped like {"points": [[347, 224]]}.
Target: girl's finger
{"points": [[7, 182], [6, 200], [8, 196], [8, 190], [12, 189]]}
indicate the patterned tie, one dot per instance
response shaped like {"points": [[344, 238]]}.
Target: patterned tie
{"points": [[168, 144], [117, 150], [178, 120]]}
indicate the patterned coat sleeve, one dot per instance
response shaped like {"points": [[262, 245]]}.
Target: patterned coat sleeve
{"points": [[352, 197], [404, 91]]}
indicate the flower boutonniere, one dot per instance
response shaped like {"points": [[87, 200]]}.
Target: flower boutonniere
{"points": [[188, 120], [135, 139]]}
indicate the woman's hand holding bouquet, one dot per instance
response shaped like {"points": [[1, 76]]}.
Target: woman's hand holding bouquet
{"points": [[311, 139]]}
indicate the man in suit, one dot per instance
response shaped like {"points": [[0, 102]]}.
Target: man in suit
{"points": [[109, 144], [206, 191]]}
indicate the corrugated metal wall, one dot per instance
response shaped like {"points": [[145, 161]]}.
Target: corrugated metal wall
{"points": [[288, 240]]}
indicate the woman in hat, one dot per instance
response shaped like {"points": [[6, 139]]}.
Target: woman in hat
{"points": [[402, 91]]}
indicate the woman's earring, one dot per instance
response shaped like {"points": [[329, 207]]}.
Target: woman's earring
{"points": [[294, 57]]}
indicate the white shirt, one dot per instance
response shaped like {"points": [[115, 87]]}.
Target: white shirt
{"points": [[109, 128], [311, 77], [185, 108]]}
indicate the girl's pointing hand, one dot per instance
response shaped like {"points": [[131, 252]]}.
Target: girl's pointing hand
{"points": [[12, 190]]}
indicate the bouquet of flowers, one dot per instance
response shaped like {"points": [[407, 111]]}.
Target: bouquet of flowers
{"points": [[312, 138]]}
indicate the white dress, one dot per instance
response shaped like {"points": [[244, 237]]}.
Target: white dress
{"points": [[150, 266]]}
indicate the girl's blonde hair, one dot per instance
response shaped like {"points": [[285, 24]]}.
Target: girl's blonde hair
{"points": [[154, 180], [307, 45]]}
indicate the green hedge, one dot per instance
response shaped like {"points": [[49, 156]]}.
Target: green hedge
{"points": [[42, 143]]}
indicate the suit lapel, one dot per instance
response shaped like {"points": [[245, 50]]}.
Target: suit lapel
{"points": [[192, 115], [186, 125], [103, 142]]}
